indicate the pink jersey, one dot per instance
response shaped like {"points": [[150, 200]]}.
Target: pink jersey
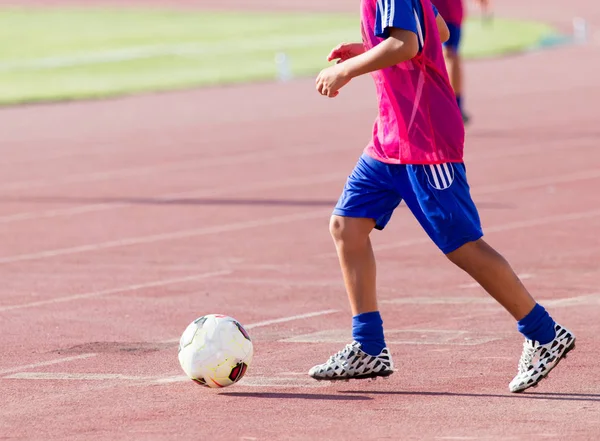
{"points": [[419, 121], [451, 10]]}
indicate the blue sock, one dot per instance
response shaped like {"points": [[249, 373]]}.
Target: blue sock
{"points": [[537, 325], [459, 101], [367, 329]]}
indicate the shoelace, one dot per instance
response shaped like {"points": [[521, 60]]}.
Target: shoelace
{"points": [[347, 349], [527, 356]]}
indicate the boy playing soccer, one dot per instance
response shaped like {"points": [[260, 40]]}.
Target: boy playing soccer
{"points": [[416, 155], [453, 13]]}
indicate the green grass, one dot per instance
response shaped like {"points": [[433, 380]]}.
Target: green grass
{"points": [[60, 54], [502, 37]]}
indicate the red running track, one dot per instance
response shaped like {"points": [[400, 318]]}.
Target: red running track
{"points": [[123, 220]]}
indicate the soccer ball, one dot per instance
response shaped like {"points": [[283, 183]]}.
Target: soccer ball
{"points": [[215, 351]]}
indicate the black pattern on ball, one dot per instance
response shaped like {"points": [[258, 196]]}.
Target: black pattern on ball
{"points": [[238, 371], [200, 381], [199, 322], [242, 330]]}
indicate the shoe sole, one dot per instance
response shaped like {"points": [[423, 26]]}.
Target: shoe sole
{"points": [[372, 376], [545, 375]]}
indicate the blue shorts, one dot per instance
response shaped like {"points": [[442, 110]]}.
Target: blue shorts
{"points": [[437, 195], [455, 34]]}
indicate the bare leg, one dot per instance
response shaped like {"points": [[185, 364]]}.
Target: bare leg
{"points": [[454, 66], [351, 237], [495, 275], [366, 356]]}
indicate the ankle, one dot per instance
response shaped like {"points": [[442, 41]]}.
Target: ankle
{"points": [[367, 329], [537, 325]]}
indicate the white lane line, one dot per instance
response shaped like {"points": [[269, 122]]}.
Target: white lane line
{"points": [[46, 363], [77, 376], [121, 289], [537, 182], [189, 164], [459, 438], [548, 220], [482, 300], [585, 299], [525, 149], [197, 193], [284, 283], [417, 337], [290, 318], [477, 285], [588, 300], [237, 226], [248, 381], [251, 381], [274, 221], [211, 162], [45, 214]]}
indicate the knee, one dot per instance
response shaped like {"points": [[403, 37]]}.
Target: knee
{"points": [[350, 232], [471, 255], [337, 228]]}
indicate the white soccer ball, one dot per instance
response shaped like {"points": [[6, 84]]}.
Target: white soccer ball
{"points": [[215, 351]]}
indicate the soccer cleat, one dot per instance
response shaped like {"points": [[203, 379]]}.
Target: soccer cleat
{"points": [[538, 360], [353, 363]]}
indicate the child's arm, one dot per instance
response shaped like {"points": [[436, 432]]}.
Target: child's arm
{"points": [[442, 28], [345, 51], [401, 45]]}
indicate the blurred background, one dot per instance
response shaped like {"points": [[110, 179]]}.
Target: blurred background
{"points": [[163, 159], [63, 50]]}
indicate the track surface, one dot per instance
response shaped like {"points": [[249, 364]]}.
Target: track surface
{"points": [[123, 220]]}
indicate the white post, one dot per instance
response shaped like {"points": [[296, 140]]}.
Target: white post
{"points": [[283, 65], [580, 30]]}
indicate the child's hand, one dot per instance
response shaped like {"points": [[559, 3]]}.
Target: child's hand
{"points": [[345, 51], [331, 80]]}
